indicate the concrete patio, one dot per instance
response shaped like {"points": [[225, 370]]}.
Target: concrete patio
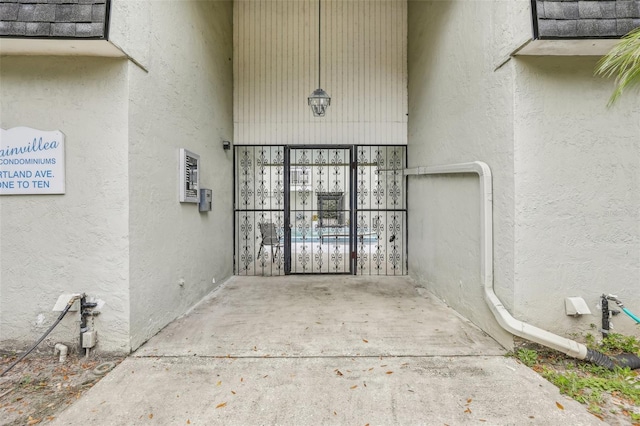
{"points": [[300, 350]]}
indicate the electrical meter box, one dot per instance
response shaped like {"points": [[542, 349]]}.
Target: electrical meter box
{"points": [[205, 200]]}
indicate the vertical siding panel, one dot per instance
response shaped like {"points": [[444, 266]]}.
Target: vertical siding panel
{"points": [[378, 35], [308, 68], [395, 67], [268, 44], [238, 75], [354, 10], [360, 48], [260, 66], [364, 51], [302, 70], [405, 77], [252, 71], [236, 94], [298, 58], [236, 49], [275, 61]]}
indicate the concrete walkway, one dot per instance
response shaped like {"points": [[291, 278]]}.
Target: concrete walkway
{"points": [[311, 350]]}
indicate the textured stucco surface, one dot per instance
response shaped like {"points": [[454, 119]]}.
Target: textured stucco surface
{"points": [[129, 25], [119, 233], [461, 110], [183, 101], [565, 171], [76, 242], [577, 193]]}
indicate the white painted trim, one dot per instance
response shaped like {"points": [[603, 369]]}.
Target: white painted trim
{"points": [[64, 47], [59, 47], [572, 47]]}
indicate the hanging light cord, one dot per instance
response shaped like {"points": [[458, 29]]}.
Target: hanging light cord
{"points": [[319, 42]]}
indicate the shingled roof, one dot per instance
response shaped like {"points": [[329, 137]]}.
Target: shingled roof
{"points": [[586, 18], [53, 18]]}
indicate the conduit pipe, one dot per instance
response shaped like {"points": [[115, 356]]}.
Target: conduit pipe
{"points": [[502, 315], [63, 349]]}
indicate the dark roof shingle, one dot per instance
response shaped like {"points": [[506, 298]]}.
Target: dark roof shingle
{"points": [[53, 18], [586, 18]]}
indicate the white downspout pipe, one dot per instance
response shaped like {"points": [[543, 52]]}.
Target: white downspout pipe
{"points": [[504, 318]]}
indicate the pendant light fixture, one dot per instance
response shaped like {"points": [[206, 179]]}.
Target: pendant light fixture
{"points": [[319, 100]]}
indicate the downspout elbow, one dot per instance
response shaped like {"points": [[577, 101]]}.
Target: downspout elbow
{"points": [[63, 349]]}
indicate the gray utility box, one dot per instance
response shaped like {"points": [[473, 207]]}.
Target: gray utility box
{"points": [[205, 200]]}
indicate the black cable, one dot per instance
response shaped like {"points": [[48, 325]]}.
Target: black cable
{"points": [[62, 314]]}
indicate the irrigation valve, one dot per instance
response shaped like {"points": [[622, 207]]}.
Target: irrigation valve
{"points": [[89, 339], [88, 336], [576, 306]]}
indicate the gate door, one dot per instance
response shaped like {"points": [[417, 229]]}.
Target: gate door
{"points": [[320, 209], [319, 236]]}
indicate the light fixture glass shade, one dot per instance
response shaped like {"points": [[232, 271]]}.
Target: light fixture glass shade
{"points": [[319, 101]]}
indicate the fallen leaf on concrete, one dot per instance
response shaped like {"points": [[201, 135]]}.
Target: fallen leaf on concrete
{"points": [[353, 387], [339, 373], [365, 340], [389, 372], [233, 392], [560, 406], [468, 410], [151, 415], [469, 401], [219, 383], [188, 421], [224, 404]]}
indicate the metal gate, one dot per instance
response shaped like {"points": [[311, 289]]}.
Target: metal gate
{"points": [[320, 209]]}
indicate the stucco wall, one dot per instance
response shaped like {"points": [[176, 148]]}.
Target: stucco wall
{"points": [[577, 193], [460, 110], [76, 242], [565, 170], [185, 100], [129, 25]]}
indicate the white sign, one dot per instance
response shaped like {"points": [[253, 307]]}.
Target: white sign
{"points": [[31, 161]]}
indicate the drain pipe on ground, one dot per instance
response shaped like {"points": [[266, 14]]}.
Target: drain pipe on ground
{"points": [[501, 314]]}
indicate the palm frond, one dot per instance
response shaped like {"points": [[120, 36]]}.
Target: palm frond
{"points": [[623, 63]]}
